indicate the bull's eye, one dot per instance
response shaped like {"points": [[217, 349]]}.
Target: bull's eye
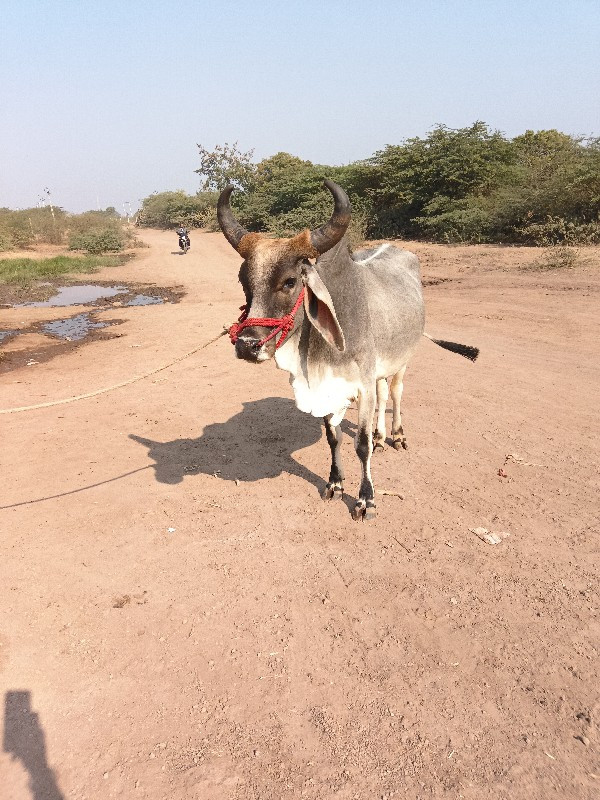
{"points": [[290, 283]]}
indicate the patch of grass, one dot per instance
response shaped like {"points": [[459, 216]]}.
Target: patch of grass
{"points": [[23, 271], [559, 256]]}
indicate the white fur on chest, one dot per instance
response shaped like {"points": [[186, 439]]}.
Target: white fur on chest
{"points": [[322, 393]]}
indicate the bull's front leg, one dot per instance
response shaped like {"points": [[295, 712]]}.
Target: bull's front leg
{"points": [[365, 507], [336, 474]]}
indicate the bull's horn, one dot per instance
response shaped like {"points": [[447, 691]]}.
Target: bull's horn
{"points": [[232, 229], [325, 237]]}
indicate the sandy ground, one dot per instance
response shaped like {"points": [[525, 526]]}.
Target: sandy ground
{"points": [[183, 618]]}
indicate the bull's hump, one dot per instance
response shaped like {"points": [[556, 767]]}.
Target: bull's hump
{"points": [[368, 255]]}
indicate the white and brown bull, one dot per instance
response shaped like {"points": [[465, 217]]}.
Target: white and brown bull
{"points": [[341, 327]]}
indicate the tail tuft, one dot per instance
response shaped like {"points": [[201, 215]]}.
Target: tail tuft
{"points": [[462, 349]]}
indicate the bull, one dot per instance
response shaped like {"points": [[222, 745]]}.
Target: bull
{"points": [[341, 326]]}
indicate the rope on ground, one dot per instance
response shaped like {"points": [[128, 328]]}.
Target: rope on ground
{"points": [[111, 388]]}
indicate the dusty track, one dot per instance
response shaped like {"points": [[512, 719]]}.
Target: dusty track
{"points": [[269, 647]]}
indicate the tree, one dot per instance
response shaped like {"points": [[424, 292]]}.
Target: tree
{"points": [[563, 174], [170, 209], [423, 178], [225, 165]]}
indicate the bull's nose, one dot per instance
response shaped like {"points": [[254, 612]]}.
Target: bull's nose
{"points": [[247, 348]]}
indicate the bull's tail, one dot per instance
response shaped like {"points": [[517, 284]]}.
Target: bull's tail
{"points": [[462, 349]]}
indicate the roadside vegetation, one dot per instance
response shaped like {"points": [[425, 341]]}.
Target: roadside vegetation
{"points": [[467, 185], [92, 232], [170, 209]]}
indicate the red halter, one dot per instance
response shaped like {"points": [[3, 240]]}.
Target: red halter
{"points": [[282, 325]]}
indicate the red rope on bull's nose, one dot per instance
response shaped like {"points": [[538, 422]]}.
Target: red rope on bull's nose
{"points": [[283, 325]]}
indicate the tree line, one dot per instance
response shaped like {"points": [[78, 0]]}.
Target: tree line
{"points": [[468, 184], [91, 232]]}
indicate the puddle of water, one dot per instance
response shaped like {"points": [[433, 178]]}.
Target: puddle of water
{"points": [[145, 300], [73, 329], [77, 328], [76, 295]]}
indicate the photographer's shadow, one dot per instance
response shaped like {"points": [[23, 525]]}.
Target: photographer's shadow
{"points": [[25, 741], [255, 444]]}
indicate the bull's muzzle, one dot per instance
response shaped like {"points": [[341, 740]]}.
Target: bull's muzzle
{"points": [[251, 348]]}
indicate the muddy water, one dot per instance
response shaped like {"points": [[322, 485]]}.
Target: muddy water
{"points": [[145, 300], [73, 329], [76, 329], [77, 295]]}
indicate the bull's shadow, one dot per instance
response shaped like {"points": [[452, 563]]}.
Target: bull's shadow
{"points": [[257, 443]]}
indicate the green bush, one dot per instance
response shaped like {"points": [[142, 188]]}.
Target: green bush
{"points": [[288, 195], [20, 229], [557, 231], [101, 240], [99, 232], [170, 209], [92, 231], [5, 241], [451, 221]]}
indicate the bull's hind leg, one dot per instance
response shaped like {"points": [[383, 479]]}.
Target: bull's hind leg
{"points": [[365, 507], [382, 398], [396, 387], [336, 474]]}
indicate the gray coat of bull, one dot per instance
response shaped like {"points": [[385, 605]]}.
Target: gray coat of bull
{"points": [[376, 299], [361, 320]]}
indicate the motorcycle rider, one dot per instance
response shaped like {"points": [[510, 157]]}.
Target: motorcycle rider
{"points": [[183, 234]]}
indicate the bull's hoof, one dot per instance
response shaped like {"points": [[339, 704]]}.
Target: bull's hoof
{"points": [[364, 510], [378, 441], [400, 444], [332, 489]]}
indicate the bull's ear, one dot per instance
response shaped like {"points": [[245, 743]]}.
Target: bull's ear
{"points": [[319, 309]]}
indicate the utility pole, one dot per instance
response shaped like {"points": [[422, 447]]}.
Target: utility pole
{"points": [[47, 193]]}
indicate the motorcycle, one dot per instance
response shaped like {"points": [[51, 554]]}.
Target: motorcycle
{"points": [[184, 243]]}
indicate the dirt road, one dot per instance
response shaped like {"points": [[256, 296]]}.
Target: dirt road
{"points": [[183, 617]]}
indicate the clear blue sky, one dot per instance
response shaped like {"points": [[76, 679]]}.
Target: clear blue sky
{"points": [[104, 102]]}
